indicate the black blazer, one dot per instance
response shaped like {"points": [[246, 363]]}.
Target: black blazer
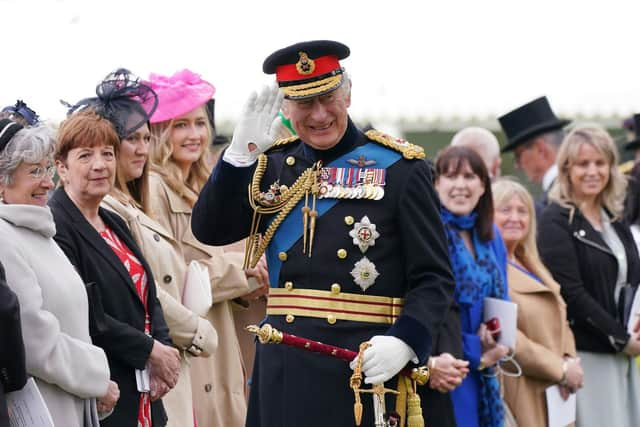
{"points": [[586, 269], [120, 329], [13, 374]]}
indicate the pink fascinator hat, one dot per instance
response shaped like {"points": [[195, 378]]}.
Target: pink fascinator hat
{"points": [[179, 94]]}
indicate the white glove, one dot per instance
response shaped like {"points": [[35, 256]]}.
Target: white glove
{"points": [[252, 133], [385, 358]]}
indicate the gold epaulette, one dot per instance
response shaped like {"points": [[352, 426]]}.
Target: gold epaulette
{"points": [[626, 166], [283, 141], [408, 150]]}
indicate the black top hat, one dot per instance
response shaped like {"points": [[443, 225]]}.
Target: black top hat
{"points": [[528, 121], [307, 69], [633, 126]]}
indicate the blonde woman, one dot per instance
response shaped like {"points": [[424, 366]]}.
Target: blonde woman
{"points": [[545, 349], [181, 135], [591, 254]]}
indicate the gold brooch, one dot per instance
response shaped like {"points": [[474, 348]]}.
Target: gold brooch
{"points": [[305, 65]]}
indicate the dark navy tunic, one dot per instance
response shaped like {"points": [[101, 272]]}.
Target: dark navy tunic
{"points": [[291, 387]]}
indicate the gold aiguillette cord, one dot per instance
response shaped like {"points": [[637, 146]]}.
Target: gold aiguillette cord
{"points": [[315, 189]]}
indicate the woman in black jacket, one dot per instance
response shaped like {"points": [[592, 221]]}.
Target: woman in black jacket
{"points": [[130, 325], [590, 252]]}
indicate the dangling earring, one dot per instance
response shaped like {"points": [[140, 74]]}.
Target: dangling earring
{"points": [[2, 197]]}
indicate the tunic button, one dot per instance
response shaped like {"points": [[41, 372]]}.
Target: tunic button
{"points": [[291, 160], [156, 237], [282, 256], [331, 319], [207, 388], [348, 220], [342, 254], [166, 279], [290, 318], [335, 289], [288, 286]]}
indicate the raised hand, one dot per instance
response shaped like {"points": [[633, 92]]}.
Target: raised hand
{"points": [[252, 134]]}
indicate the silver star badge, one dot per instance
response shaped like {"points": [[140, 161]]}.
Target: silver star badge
{"points": [[364, 273], [364, 234]]}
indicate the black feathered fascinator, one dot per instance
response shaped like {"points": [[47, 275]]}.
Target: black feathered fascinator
{"points": [[123, 100]]}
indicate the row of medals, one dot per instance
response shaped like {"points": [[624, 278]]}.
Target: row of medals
{"points": [[335, 191]]}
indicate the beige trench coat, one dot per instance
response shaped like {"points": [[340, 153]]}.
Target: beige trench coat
{"points": [[543, 338], [219, 382], [165, 258]]}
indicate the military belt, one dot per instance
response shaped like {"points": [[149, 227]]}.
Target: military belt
{"points": [[333, 306]]}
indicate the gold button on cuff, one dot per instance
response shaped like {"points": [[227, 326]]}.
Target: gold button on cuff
{"points": [[335, 289], [342, 254], [348, 220], [290, 318], [282, 256], [331, 319], [288, 286], [291, 160]]}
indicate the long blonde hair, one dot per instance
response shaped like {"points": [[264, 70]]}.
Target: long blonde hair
{"points": [[162, 162], [612, 197], [526, 251]]}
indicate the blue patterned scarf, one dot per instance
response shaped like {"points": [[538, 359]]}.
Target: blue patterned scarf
{"points": [[476, 279]]}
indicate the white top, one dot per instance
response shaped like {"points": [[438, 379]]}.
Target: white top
{"points": [[612, 240], [549, 176]]}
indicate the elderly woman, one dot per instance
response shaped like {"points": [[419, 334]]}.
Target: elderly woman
{"points": [[194, 335], [69, 371], [464, 187], [181, 135], [545, 349], [133, 331], [591, 254]]}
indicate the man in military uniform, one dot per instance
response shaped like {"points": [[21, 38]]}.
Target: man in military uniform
{"points": [[351, 227]]}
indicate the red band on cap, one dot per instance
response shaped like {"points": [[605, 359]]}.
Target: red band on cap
{"points": [[323, 65]]}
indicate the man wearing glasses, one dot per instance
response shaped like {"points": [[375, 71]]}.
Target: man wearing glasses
{"points": [[534, 134]]}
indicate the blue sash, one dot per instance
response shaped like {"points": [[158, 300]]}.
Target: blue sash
{"points": [[290, 230]]}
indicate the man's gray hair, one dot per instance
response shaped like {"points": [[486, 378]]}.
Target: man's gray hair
{"points": [[554, 137], [29, 145], [481, 140]]}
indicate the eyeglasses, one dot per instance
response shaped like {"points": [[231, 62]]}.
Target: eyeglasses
{"points": [[39, 172]]}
